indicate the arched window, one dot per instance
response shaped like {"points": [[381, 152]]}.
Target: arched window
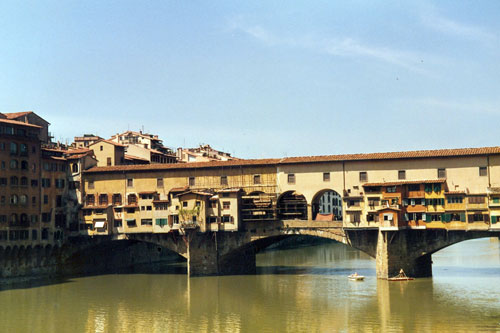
{"points": [[13, 218], [14, 164], [24, 218], [74, 167], [14, 181], [24, 165], [23, 199], [13, 199]]}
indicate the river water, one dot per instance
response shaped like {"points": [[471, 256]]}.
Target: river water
{"points": [[297, 290]]}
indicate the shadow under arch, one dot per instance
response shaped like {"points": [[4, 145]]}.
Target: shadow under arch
{"points": [[291, 205], [327, 202]]}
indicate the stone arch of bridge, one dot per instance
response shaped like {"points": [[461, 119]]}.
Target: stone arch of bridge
{"points": [[292, 205], [327, 201]]}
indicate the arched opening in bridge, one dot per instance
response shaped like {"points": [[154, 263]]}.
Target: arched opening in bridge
{"points": [[327, 206], [258, 206], [292, 205]]}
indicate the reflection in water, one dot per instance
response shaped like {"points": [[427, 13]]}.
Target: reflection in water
{"points": [[303, 289]]}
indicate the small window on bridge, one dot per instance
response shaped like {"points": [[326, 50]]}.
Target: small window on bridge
{"points": [[192, 181], [130, 182], [483, 171], [223, 180], [256, 179], [402, 174], [291, 178], [363, 176], [441, 173], [159, 182], [326, 176]]}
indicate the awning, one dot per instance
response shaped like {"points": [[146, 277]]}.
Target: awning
{"points": [[99, 224]]}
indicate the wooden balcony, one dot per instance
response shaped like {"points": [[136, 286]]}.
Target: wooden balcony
{"points": [[416, 194]]}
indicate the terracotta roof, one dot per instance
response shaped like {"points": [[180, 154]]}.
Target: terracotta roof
{"points": [[14, 115], [108, 141], [307, 159], [147, 192], [132, 157], [20, 123], [407, 182], [77, 151], [179, 189], [77, 156]]}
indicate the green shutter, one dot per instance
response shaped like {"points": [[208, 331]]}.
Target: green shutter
{"points": [[493, 219], [428, 218], [428, 188], [496, 200], [462, 217], [437, 187], [447, 217]]}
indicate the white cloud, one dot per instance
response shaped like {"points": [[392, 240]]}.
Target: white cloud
{"points": [[341, 47], [448, 26]]}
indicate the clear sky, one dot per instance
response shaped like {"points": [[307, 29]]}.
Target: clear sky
{"points": [[259, 79]]}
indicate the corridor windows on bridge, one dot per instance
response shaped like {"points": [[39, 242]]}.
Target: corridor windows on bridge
{"points": [[292, 205], [402, 174], [223, 180], [326, 176], [353, 203], [130, 182], [478, 217], [191, 181], [363, 176], [483, 171], [390, 189], [441, 173], [291, 178], [327, 206], [256, 179], [477, 199]]}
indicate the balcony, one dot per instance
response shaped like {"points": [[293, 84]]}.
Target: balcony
{"points": [[416, 194]]}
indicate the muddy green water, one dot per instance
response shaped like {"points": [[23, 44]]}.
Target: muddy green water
{"points": [[298, 290]]}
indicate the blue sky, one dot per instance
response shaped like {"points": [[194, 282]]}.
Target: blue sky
{"points": [[259, 79]]}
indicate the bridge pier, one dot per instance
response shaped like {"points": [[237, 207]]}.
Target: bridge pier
{"points": [[219, 254], [398, 250]]}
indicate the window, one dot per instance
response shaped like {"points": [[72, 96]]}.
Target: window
{"points": [[91, 184], [227, 219], [476, 200], [159, 182], [46, 199], [34, 183], [14, 164], [391, 189], [483, 171], [108, 161], [103, 200], [223, 180], [184, 204], [24, 181], [326, 176], [363, 176], [213, 204], [90, 199], [402, 174], [117, 199], [132, 199], [256, 179], [146, 222], [101, 148], [291, 178], [441, 173], [3, 181], [23, 149], [226, 205], [130, 182], [14, 181], [191, 181], [13, 148], [74, 167]]}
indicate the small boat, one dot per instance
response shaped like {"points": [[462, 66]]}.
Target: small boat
{"points": [[400, 277], [356, 277]]}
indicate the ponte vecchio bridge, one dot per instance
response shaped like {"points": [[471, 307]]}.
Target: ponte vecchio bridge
{"points": [[399, 207]]}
